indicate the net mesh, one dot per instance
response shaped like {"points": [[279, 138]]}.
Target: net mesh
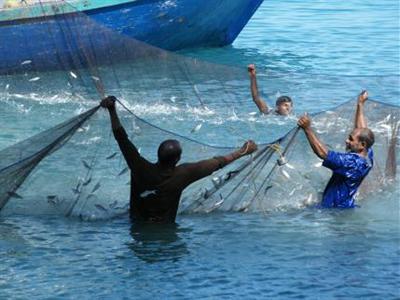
{"points": [[73, 62]]}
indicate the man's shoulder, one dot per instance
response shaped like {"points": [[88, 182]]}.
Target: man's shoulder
{"points": [[336, 160]]}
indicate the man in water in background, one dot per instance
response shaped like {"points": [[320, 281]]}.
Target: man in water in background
{"points": [[283, 105], [350, 168], [156, 188]]}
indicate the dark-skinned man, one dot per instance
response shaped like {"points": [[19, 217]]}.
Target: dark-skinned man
{"points": [[156, 188]]}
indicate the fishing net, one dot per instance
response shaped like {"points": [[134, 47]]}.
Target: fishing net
{"points": [[73, 61]]}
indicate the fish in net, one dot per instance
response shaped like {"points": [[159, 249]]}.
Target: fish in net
{"points": [[77, 61]]}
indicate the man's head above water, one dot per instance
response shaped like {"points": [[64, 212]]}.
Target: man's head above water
{"points": [[359, 140], [283, 105], [169, 153]]}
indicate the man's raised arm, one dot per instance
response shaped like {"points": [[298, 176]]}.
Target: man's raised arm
{"points": [[359, 119], [206, 167], [109, 103], [262, 106], [130, 152]]}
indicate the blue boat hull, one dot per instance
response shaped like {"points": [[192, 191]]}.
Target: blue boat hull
{"points": [[169, 25]]}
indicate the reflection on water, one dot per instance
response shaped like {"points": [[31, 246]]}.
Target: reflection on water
{"points": [[157, 242]]}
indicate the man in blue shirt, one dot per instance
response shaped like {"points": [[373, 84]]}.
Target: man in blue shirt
{"points": [[350, 168]]}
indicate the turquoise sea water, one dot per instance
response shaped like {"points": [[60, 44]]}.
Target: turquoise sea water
{"points": [[323, 53]]}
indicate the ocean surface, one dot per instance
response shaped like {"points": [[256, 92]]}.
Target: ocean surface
{"points": [[321, 53]]}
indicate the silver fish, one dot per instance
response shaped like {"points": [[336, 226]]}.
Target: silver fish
{"points": [[14, 195], [125, 207], [73, 74], [112, 205], [289, 166], [219, 203], [87, 166], [34, 79], [197, 128], [309, 201], [76, 190], [112, 155], [123, 171], [25, 62], [101, 207], [286, 174], [85, 183], [52, 199], [96, 187], [267, 188], [96, 78], [146, 193]]}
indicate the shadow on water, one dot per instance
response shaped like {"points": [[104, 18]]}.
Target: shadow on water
{"points": [[154, 243], [11, 242]]}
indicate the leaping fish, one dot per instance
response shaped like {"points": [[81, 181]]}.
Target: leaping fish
{"points": [[114, 204], [123, 171], [96, 187], [52, 199], [101, 207], [289, 166], [85, 183], [112, 155], [14, 195], [197, 128], [286, 174], [87, 166]]}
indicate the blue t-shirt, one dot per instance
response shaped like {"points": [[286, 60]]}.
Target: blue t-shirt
{"points": [[349, 169]]}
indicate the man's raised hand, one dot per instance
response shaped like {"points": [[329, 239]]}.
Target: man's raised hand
{"points": [[304, 121], [108, 102], [363, 97], [251, 69], [248, 147]]}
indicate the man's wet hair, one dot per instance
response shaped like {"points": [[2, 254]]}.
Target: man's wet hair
{"points": [[169, 152], [283, 99], [367, 136]]}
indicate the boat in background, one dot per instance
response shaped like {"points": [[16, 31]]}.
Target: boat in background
{"points": [[168, 24]]}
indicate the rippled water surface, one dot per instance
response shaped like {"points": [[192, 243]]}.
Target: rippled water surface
{"points": [[322, 53]]}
